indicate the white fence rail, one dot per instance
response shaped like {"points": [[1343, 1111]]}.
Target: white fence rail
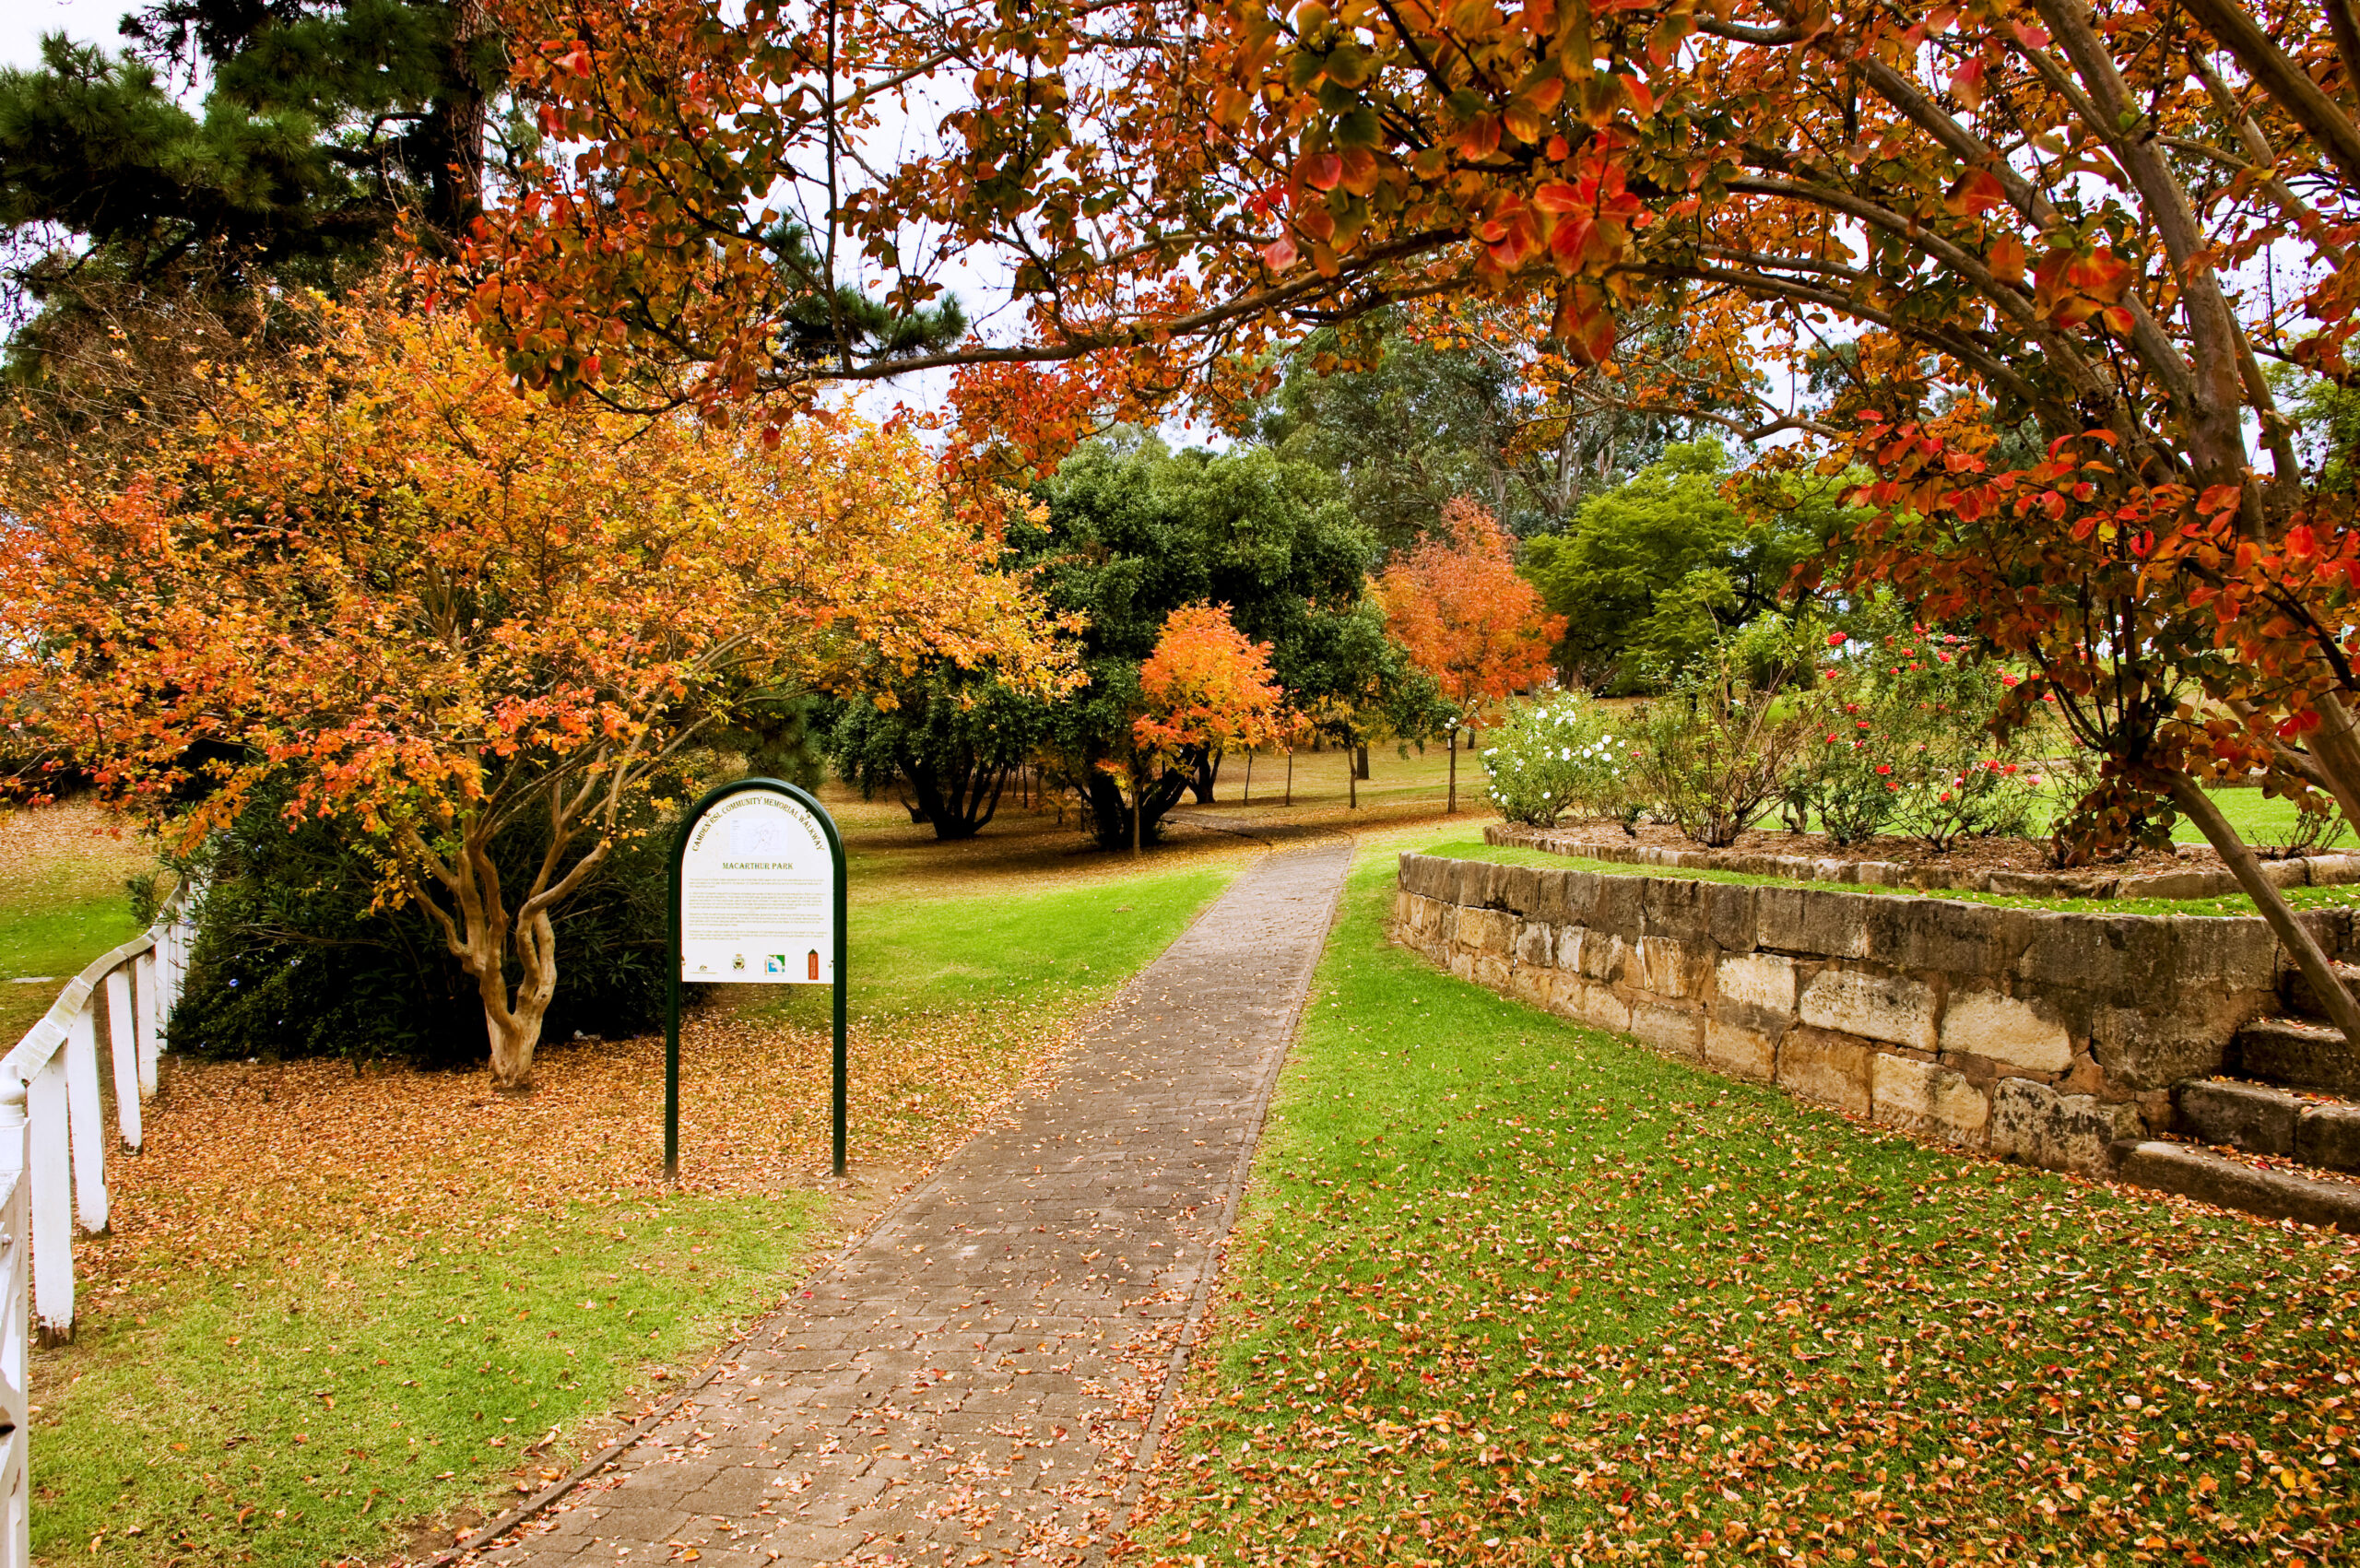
{"points": [[53, 1143]]}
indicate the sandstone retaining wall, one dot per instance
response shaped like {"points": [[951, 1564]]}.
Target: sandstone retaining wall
{"points": [[2041, 1035]]}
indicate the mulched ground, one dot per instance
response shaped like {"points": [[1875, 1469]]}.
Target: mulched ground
{"points": [[1970, 855], [292, 1163]]}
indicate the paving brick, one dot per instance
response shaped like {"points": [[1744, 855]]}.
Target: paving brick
{"points": [[909, 1410]]}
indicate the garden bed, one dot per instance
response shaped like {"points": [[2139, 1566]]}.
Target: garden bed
{"points": [[2014, 867]]}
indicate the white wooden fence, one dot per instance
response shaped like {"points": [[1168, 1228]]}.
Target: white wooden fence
{"points": [[53, 1160]]}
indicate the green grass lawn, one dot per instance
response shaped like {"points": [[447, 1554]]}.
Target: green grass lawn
{"points": [[1506, 1291], [916, 953], [385, 1365], [303, 1419], [61, 903]]}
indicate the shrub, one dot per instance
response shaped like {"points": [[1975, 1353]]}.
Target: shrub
{"points": [[1559, 757], [1724, 746], [292, 958]]}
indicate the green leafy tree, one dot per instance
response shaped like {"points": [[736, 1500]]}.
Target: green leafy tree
{"points": [[1651, 572], [1134, 532], [950, 737]]}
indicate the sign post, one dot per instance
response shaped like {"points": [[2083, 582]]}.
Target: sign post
{"points": [[758, 898]]}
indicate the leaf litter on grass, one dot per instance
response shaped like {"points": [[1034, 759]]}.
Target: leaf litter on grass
{"points": [[436, 1290], [1510, 1291]]}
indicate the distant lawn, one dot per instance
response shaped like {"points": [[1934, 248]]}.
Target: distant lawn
{"points": [[61, 903], [915, 953], [337, 1306], [1509, 1291]]}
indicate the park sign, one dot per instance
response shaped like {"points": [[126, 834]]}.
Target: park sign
{"points": [[758, 899]]}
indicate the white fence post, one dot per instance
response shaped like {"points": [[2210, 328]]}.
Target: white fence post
{"points": [[145, 1019], [125, 1054], [48, 1168], [16, 1486], [85, 1125]]}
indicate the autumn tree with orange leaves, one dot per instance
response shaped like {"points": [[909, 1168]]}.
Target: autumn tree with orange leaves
{"points": [[1205, 688], [2057, 248], [376, 582], [1468, 620]]}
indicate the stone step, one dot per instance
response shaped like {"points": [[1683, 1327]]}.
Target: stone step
{"points": [[2303, 1002], [2298, 1054], [2216, 1178], [2264, 1120]]}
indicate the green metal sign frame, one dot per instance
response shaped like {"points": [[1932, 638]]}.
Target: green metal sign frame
{"points": [[712, 798]]}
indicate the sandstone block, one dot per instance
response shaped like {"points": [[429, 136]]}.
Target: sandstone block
{"points": [[2032, 1123], [1570, 941], [1740, 1052], [1669, 1026], [1549, 899], [1536, 945], [2334, 870], [1808, 920], [1491, 972], [2213, 1178], [1923, 1097], [1729, 916], [1520, 890], [2237, 952], [1946, 933], [2243, 1115], [2329, 1136], [1491, 931], [1665, 966], [1587, 1002], [2181, 1033], [1761, 980], [1603, 958], [1877, 1006], [1527, 984], [1462, 964], [1838, 1072], [1675, 909], [2123, 958], [1617, 909], [1579, 889], [2190, 884], [2005, 1029]]}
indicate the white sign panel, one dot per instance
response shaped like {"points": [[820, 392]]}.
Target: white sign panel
{"points": [[757, 895]]}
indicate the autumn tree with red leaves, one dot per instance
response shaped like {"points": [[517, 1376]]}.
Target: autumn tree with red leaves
{"points": [[1457, 602], [376, 582], [2057, 249], [1205, 688]]}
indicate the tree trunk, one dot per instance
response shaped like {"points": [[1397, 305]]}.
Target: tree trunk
{"points": [[2291, 933], [1206, 772], [1290, 799], [1248, 798], [1352, 779], [1451, 810], [1360, 761], [1138, 809]]}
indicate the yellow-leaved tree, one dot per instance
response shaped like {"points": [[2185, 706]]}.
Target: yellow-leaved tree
{"points": [[374, 581]]}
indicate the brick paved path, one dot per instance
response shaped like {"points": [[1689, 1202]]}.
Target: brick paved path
{"points": [[971, 1384]]}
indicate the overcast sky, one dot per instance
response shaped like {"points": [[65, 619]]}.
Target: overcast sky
{"points": [[22, 22]]}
